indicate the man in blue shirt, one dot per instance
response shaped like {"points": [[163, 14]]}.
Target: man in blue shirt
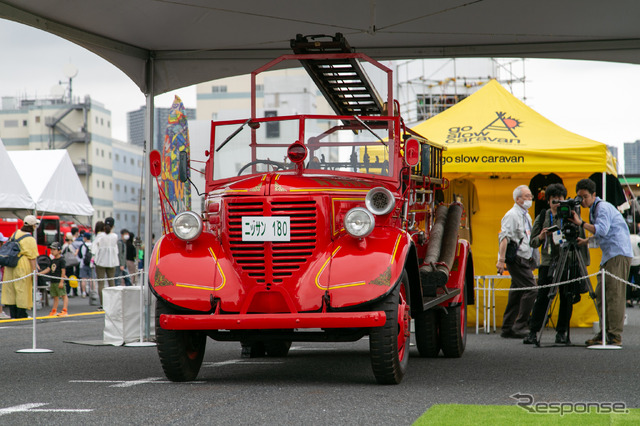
{"points": [[612, 236]]}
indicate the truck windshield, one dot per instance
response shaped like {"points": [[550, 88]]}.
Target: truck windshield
{"points": [[358, 145]]}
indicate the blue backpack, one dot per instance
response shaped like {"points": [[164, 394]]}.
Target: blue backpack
{"points": [[10, 251]]}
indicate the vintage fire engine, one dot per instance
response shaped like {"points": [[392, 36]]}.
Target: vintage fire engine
{"points": [[333, 236]]}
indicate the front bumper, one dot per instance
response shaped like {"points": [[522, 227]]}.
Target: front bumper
{"points": [[273, 321]]}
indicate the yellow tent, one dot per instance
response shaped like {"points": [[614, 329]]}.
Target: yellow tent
{"points": [[497, 142]]}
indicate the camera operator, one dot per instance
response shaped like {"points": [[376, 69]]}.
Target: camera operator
{"points": [[550, 251], [611, 233]]}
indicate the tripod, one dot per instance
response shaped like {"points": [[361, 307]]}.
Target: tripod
{"points": [[570, 266]]}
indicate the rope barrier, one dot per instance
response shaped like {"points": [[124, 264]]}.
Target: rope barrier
{"points": [[560, 283]]}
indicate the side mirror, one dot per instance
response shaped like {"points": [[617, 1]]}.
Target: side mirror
{"points": [[183, 166]]}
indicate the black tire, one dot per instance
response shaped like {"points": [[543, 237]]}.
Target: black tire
{"points": [[453, 329], [181, 352], [277, 348], [389, 344], [426, 333]]}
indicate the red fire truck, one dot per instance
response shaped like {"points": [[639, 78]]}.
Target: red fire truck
{"points": [[333, 236]]}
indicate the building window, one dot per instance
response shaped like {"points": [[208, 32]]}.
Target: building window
{"points": [[125, 217], [102, 153], [117, 157], [37, 118], [10, 123], [24, 123], [125, 189], [132, 163], [109, 156], [259, 88], [124, 159], [109, 124], [97, 152], [102, 121], [273, 127], [117, 216], [429, 105], [96, 120], [219, 89], [117, 187], [102, 184], [110, 185], [97, 183]]}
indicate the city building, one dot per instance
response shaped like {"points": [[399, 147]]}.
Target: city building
{"points": [[108, 169], [135, 125], [632, 158]]}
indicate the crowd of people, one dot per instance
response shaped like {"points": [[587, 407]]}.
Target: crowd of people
{"points": [[521, 238], [71, 267]]}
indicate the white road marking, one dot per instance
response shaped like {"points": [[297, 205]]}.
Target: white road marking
{"points": [[23, 408], [128, 383], [238, 361]]}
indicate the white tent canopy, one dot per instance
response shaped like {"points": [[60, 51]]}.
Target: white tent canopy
{"points": [[51, 182], [14, 196]]}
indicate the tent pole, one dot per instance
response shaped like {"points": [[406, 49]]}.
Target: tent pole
{"points": [[148, 193]]}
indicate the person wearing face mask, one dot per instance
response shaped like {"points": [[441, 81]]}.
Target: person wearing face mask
{"points": [[516, 227]]}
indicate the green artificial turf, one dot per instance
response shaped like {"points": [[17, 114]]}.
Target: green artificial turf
{"points": [[460, 415]]}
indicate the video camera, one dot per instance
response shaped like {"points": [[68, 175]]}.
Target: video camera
{"points": [[567, 206]]}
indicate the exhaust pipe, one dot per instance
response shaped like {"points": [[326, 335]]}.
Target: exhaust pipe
{"points": [[435, 273]]}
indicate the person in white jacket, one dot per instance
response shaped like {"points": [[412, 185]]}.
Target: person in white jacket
{"points": [[105, 253]]}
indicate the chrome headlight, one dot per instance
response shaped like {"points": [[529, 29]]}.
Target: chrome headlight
{"points": [[187, 226], [380, 201], [358, 222]]}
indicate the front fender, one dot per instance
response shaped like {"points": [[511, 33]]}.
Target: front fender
{"points": [[360, 270]]}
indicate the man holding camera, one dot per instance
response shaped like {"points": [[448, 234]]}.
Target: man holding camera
{"points": [[611, 233], [516, 228], [547, 234]]}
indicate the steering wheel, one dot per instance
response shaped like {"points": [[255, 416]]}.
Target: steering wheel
{"points": [[267, 162]]}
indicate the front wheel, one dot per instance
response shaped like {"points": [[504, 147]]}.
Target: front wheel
{"points": [[389, 344], [181, 351]]}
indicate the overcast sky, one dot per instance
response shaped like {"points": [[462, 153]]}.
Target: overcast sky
{"points": [[598, 100]]}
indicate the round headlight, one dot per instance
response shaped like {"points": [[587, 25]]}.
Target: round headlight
{"points": [[358, 222], [380, 201], [187, 226]]}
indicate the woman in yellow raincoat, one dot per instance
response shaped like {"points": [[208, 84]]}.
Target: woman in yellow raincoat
{"points": [[17, 295]]}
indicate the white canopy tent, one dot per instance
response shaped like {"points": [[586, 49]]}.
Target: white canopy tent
{"points": [[14, 196], [44, 181]]}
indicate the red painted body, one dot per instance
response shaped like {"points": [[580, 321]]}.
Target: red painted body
{"points": [[323, 277]]}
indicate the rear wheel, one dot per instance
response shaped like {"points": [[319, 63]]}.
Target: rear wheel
{"points": [[389, 344], [181, 351], [427, 340], [453, 329]]}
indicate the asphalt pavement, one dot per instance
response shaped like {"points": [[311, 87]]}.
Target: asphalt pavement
{"points": [[317, 383]]}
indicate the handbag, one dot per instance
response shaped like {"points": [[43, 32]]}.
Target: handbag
{"points": [[70, 259], [512, 251]]}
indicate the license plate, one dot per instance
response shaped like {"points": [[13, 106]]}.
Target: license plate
{"points": [[266, 228]]}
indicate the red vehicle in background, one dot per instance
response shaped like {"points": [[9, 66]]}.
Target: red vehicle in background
{"points": [[50, 229], [333, 236]]}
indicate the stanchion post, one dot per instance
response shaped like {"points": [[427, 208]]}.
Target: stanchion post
{"points": [[142, 321], [34, 349], [603, 318], [477, 279]]}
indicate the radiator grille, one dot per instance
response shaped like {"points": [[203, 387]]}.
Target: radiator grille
{"points": [[271, 262]]}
